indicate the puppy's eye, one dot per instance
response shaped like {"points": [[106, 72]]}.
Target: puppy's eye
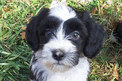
{"points": [[75, 35], [48, 33]]}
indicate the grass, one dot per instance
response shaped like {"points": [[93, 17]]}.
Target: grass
{"points": [[15, 54]]}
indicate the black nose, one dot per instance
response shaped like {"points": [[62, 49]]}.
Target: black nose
{"points": [[58, 54]]}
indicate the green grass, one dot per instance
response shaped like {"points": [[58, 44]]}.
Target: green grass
{"points": [[15, 54]]}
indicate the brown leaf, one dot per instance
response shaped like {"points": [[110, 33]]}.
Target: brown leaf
{"points": [[101, 12], [94, 10], [114, 24], [106, 6], [31, 14], [23, 28], [28, 21], [115, 72], [23, 35], [6, 10]]}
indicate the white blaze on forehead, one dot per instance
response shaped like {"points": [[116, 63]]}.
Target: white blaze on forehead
{"points": [[60, 34], [63, 12]]}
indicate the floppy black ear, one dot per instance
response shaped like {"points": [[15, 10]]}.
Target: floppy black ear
{"points": [[32, 35], [95, 38]]}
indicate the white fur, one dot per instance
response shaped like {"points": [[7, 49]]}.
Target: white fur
{"points": [[45, 55], [60, 32], [63, 12], [76, 73]]}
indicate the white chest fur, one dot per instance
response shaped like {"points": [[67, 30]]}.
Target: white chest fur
{"points": [[77, 73]]}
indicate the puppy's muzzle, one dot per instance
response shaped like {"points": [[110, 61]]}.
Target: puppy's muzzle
{"points": [[58, 54]]}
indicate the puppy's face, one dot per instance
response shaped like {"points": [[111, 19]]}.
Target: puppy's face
{"points": [[61, 41], [59, 35]]}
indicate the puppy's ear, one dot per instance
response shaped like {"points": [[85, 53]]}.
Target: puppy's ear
{"points": [[95, 35], [32, 35]]}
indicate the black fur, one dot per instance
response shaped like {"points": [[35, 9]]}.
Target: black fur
{"points": [[75, 24], [32, 35], [49, 23], [95, 35], [118, 32], [32, 76]]}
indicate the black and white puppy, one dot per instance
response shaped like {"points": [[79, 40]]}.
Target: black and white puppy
{"points": [[58, 36]]}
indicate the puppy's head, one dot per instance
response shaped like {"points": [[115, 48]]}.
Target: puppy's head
{"points": [[59, 35]]}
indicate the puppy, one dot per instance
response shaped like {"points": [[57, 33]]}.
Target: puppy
{"points": [[58, 36]]}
